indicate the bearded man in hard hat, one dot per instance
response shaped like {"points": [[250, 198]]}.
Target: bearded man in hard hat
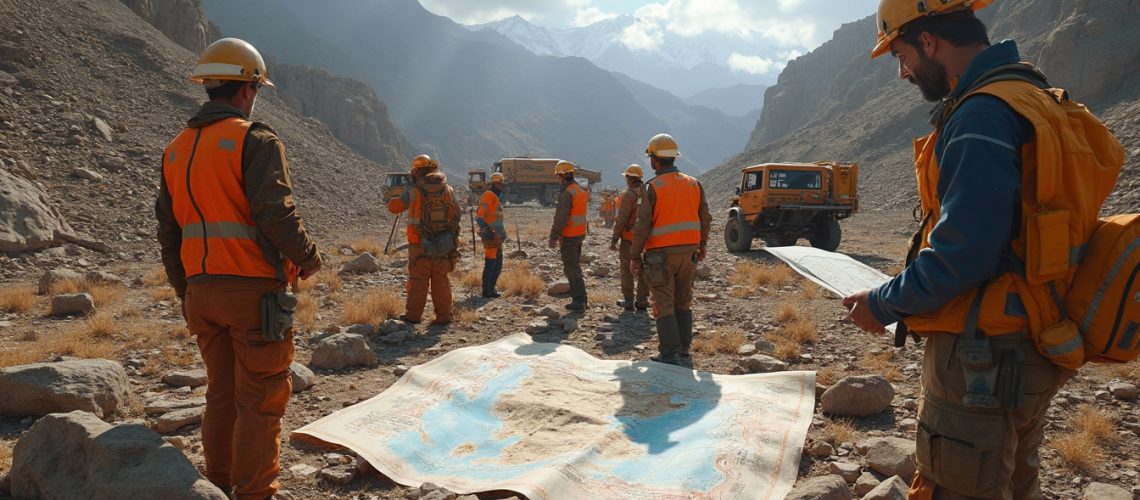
{"points": [[669, 238], [987, 379], [231, 240], [492, 230], [433, 232], [569, 232], [623, 233]]}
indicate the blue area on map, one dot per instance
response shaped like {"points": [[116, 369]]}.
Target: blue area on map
{"points": [[679, 446]]}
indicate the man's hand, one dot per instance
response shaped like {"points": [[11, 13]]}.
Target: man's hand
{"points": [[553, 242], [702, 252], [635, 267], [859, 312], [308, 273]]}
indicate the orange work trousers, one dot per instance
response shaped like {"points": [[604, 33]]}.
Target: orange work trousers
{"points": [[423, 273], [249, 384]]}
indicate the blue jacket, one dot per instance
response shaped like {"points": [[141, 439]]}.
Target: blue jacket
{"points": [[979, 186]]}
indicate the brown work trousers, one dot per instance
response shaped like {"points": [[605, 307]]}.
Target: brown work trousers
{"points": [[571, 252], [249, 384], [423, 273], [966, 453], [627, 276], [670, 283]]}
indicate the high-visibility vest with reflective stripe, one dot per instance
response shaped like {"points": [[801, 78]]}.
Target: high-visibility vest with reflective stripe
{"points": [[202, 169], [676, 213], [415, 207], [576, 225], [627, 233], [489, 209]]}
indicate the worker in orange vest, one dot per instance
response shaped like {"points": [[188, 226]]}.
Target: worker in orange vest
{"points": [[492, 231], [231, 240], [623, 233], [669, 238], [433, 235], [569, 232]]}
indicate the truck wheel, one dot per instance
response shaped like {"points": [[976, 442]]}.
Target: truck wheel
{"points": [[737, 236], [825, 235]]}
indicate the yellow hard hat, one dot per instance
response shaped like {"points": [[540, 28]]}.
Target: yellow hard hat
{"points": [[634, 170], [662, 146], [563, 167], [498, 177], [231, 59], [423, 161], [893, 14]]}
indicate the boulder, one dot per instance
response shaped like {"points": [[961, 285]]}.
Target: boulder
{"points": [[303, 377], [392, 326], [104, 278], [848, 471], [892, 456], [1123, 390], [820, 488], [87, 174], [28, 221], [891, 489], [1102, 491], [364, 329], [342, 350], [601, 271], [858, 396], [56, 276], [186, 378], [177, 419], [587, 258], [867, 481], [363, 264], [746, 350], [103, 129], [162, 405], [761, 363], [764, 347], [76, 455], [94, 385], [71, 304], [559, 288], [569, 325], [703, 272]]}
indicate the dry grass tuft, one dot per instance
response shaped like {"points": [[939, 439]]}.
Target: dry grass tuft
{"points": [[802, 331], [102, 326], [306, 312], [520, 280], [105, 294], [787, 349], [470, 278], [78, 342], [725, 341], [6, 455], [838, 432], [1084, 448], [65, 286], [360, 246], [811, 291], [829, 375], [882, 362], [1129, 372], [373, 307], [20, 299], [165, 293], [755, 275], [155, 276], [326, 276], [787, 312], [740, 292], [464, 316], [1096, 423]]}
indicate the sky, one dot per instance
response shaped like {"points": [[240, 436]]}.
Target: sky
{"points": [[798, 25]]}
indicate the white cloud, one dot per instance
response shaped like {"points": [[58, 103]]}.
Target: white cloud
{"points": [[591, 15], [755, 65], [642, 35]]}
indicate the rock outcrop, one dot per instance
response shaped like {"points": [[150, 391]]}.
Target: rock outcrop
{"points": [[98, 386], [28, 221], [76, 455], [183, 21], [349, 107]]}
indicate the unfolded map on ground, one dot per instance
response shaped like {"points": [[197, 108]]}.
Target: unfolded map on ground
{"points": [[551, 421]]}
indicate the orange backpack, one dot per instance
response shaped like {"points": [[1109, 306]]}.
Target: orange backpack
{"points": [[1104, 299]]}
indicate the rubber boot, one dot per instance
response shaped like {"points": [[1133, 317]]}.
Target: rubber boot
{"points": [[578, 304], [685, 334], [626, 304], [669, 341]]}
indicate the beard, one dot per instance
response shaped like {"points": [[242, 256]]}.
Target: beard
{"points": [[930, 76]]}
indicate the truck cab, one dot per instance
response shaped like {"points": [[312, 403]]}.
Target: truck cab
{"points": [[783, 202], [395, 184]]}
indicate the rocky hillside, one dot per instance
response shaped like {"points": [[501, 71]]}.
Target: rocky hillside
{"points": [[837, 103], [350, 109], [89, 96], [183, 21]]}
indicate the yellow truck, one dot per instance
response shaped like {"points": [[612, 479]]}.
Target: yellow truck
{"points": [[528, 179], [396, 183], [783, 202]]}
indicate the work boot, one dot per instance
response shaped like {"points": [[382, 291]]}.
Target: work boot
{"points": [[626, 304], [577, 305], [642, 305], [406, 319], [685, 334], [668, 341], [491, 294]]}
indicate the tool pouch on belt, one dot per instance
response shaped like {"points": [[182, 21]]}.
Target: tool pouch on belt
{"points": [[277, 315], [655, 268], [990, 383]]}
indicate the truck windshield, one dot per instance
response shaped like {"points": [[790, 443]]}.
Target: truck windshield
{"points": [[475, 177], [397, 180], [794, 179]]}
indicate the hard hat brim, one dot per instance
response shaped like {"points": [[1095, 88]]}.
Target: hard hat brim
{"points": [[883, 46]]}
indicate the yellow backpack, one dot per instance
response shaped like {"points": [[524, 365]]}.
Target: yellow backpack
{"points": [[1104, 300]]}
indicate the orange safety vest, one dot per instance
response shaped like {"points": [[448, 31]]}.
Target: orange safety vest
{"points": [[490, 211], [1022, 301], [576, 226], [676, 213], [203, 172], [415, 208], [627, 232]]}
